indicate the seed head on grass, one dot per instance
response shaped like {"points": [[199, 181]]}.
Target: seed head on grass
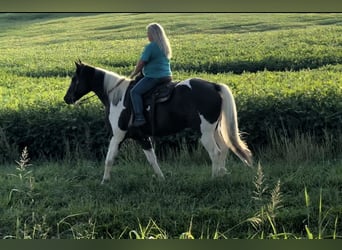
{"points": [[275, 202], [24, 179], [265, 217], [259, 184], [23, 163]]}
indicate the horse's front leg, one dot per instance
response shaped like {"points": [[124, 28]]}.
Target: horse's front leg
{"points": [[113, 151], [151, 156]]}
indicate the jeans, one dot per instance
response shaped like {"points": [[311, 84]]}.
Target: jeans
{"points": [[143, 86]]}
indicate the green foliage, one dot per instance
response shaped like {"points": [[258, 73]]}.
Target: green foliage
{"points": [[284, 70], [288, 102], [66, 201]]}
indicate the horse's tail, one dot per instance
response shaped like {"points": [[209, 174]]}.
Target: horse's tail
{"points": [[228, 126]]}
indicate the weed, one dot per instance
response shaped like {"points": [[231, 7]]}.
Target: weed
{"points": [[151, 231], [31, 228], [323, 220], [24, 180], [78, 230], [265, 218]]}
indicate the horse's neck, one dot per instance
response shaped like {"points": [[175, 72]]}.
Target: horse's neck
{"points": [[98, 87], [115, 87], [103, 97]]}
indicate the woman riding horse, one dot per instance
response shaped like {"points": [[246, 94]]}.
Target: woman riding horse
{"points": [[155, 65]]}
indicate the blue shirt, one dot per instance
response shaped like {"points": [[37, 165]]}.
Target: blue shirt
{"points": [[157, 65]]}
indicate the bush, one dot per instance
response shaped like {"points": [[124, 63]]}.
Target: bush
{"points": [[56, 132]]}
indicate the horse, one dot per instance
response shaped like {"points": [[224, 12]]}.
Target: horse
{"points": [[205, 107]]}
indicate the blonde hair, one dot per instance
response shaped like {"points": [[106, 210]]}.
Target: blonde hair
{"points": [[157, 33]]}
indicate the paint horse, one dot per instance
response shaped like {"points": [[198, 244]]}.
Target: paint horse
{"points": [[206, 107]]}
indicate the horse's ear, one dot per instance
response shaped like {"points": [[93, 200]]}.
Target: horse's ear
{"points": [[78, 63]]}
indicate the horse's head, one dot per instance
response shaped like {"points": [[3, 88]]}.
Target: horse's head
{"points": [[80, 83]]}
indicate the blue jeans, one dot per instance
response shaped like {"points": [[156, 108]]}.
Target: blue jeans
{"points": [[143, 86]]}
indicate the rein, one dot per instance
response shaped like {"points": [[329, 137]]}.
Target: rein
{"points": [[82, 101], [117, 85]]}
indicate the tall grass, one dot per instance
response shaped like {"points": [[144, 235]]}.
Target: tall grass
{"points": [[301, 148], [33, 212]]}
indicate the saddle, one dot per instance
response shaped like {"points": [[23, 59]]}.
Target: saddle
{"points": [[159, 94]]}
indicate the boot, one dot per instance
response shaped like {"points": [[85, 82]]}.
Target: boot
{"points": [[138, 121]]}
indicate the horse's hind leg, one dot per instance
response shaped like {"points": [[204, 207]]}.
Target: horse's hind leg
{"points": [[151, 156], [113, 151], [216, 155], [223, 152]]}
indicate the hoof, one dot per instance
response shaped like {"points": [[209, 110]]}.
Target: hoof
{"points": [[104, 181], [158, 177], [220, 173], [161, 177], [223, 172]]}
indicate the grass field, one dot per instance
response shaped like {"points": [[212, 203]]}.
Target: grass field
{"points": [[286, 65]]}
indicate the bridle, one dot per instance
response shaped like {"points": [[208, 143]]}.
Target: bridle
{"points": [[83, 101]]}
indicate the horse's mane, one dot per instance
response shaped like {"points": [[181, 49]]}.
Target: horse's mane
{"points": [[114, 85]]}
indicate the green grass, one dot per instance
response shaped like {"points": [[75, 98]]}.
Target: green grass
{"points": [[230, 41], [285, 72], [66, 200]]}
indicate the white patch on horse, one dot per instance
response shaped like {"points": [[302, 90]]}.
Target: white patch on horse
{"points": [[184, 83], [115, 112], [110, 80]]}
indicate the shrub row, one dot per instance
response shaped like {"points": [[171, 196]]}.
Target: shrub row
{"points": [[60, 132], [53, 132]]}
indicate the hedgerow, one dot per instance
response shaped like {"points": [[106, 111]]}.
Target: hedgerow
{"points": [[266, 101]]}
